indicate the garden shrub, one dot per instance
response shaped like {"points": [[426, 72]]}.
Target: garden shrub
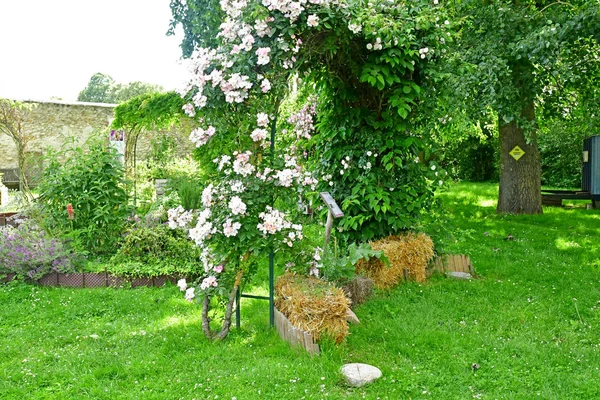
{"points": [[189, 191], [472, 159], [148, 250], [561, 144], [90, 179], [30, 252]]}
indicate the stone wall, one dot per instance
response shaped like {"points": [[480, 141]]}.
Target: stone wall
{"points": [[52, 124]]}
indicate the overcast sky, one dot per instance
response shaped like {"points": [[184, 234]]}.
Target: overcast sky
{"points": [[53, 47]]}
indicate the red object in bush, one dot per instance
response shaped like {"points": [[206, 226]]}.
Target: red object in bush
{"points": [[70, 211]]}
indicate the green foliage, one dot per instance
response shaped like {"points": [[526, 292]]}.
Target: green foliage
{"points": [[340, 266], [200, 20], [148, 250], [97, 89], [102, 89], [149, 111], [161, 154], [189, 191], [472, 158], [561, 144], [91, 179]]}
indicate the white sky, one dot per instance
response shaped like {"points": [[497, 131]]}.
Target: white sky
{"points": [[53, 47]]}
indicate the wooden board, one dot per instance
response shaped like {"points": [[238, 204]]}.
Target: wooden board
{"points": [[453, 263], [293, 335]]}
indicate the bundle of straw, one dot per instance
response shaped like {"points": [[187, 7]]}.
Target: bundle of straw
{"points": [[410, 252], [313, 305]]}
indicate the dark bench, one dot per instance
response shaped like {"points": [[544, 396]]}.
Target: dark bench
{"points": [[10, 177]]}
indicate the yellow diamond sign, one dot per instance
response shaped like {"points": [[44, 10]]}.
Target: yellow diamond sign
{"points": [[517, 153]]}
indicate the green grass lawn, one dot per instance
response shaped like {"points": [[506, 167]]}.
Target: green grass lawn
{"points": [[531, 323]]}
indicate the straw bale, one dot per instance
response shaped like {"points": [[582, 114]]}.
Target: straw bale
{"points": [[410, 252], [313, 305]]}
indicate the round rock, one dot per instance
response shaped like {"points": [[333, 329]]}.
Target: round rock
{"points": [[358, 374]]}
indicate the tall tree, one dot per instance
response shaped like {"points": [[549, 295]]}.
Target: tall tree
{"points": [[102, 89], [98, 89], [518, 57]]}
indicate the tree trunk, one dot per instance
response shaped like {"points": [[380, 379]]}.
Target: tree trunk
{"points": [[220, 335], [520, 180], [23, 184]]}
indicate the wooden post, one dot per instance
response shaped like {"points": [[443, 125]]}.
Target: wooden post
{"points": [[334, 212]]}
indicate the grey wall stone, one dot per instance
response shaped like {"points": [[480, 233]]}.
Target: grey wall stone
{"points": [[53, 123]]}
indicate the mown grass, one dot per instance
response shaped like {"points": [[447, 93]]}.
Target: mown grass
{"points": [[530, 323]]}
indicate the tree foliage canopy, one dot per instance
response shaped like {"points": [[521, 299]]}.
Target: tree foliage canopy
{"points": [[103, 89]]}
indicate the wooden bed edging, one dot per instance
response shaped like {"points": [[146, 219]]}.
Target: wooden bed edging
{"points": [[97, 279], [293, 335]]}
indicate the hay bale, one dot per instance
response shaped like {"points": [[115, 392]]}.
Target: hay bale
{"points": [[359, 289], [313, 305], [410, 252]]}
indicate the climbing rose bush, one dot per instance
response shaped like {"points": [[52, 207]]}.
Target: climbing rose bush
{"points": [[235, 92]]}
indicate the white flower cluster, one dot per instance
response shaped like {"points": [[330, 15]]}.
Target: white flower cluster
{"points": [[223, 161], [207, 196], [204, 228], [423, 52], [189, 110], [179, 218], [189, 294], [241, 164], [265, 85], [200, 136], [233, 8], [263, 55], [303, 120], [237, 206], [375, 46], [355, 28], [345, 165], [273, 221], [295, 234], [237, 186], [262, 27], [231, 228], [262, 119], [210, 281], [286, 177], [259, 134], [312, 20], [236, 88]]}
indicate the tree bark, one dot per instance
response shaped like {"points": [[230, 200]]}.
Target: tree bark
{"points": [[220, 335], [520, 180]]}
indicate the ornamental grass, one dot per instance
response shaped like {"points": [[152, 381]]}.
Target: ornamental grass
{"points": [[411, 252], [313, 305]]}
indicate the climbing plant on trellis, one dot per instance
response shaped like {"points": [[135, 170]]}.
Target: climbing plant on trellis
{"points": [[365, 63]]}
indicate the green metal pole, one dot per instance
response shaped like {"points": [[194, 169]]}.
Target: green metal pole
{"points": [[271, 252], [238, 306]]}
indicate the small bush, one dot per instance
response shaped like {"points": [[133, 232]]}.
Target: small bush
{"points": [[155, 250], [30, 252], [91, 180]]}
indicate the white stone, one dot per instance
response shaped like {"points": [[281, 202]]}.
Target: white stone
{"points": [[351, 317], [358, 374], [458, 275]]}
